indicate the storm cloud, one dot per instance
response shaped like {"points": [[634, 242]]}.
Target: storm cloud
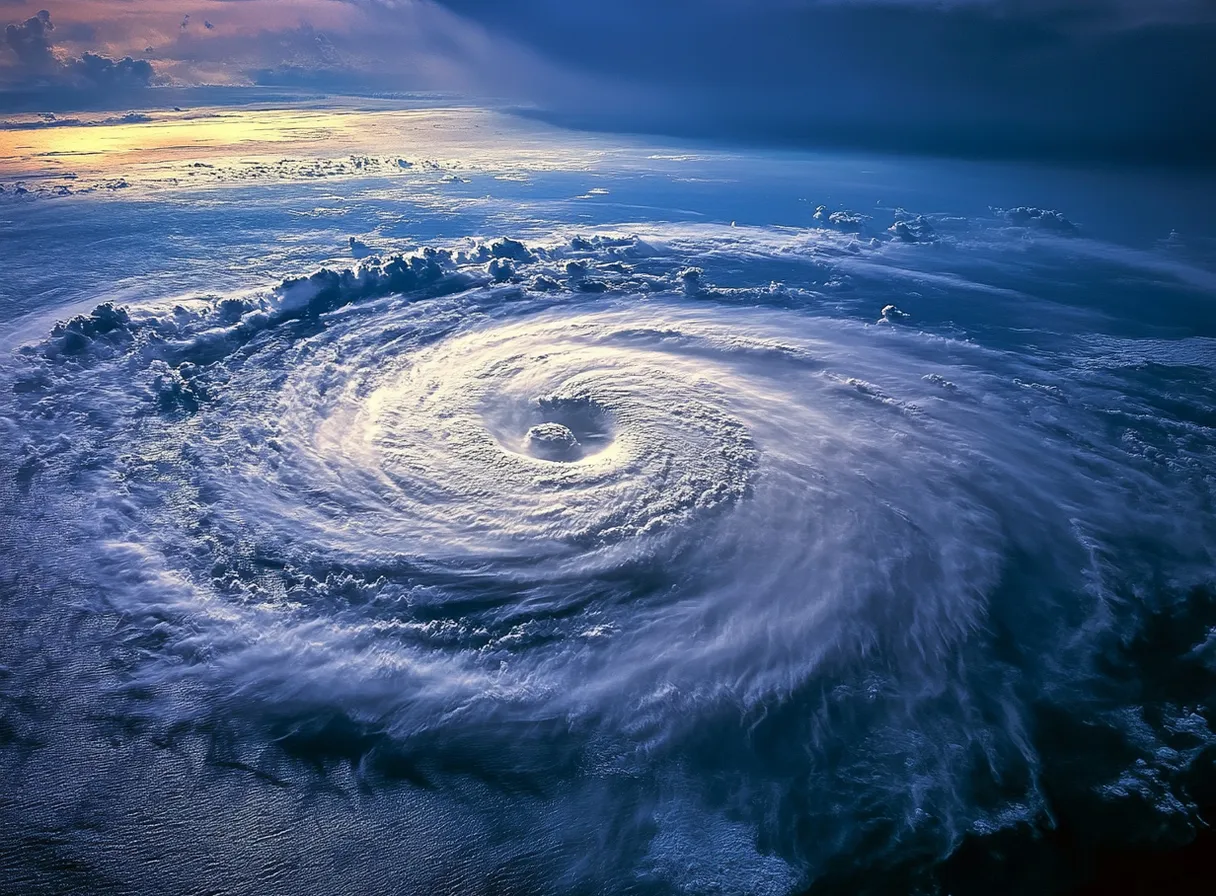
{"points": [[32, 60], [30, 42]]}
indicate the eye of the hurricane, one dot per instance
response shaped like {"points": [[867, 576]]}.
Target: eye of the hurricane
{"points": [[568, 428], [552, 441], [561, 433]]}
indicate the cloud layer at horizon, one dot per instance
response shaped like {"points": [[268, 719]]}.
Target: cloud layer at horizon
{"points": [[321, 45], [1119, 79]]}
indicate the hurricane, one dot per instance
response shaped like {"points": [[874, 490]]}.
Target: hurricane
{"points": [[680, 559]]}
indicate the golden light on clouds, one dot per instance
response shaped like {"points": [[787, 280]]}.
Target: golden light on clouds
{"points": [[176, 135], [162, 146]]}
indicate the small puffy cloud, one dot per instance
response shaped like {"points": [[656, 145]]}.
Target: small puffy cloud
{"points": [[846, 221], [911, 228], [690, 280], [500, 269], [1040, 219]]}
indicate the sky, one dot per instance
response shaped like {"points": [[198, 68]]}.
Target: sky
{"points": [[1123, 80]]}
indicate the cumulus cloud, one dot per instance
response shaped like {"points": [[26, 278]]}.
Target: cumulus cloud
{"points": [[104, 71], [847, 221], [911, 228], [1040, 219], [33, 60], [30, 42]]}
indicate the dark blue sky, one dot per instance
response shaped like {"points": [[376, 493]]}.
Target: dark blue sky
{"points": [[1090, 78]]}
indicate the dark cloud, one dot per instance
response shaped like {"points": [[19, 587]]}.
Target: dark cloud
{"points": [[31, 45], [1116, 79], [106, 72], [30, 42]]}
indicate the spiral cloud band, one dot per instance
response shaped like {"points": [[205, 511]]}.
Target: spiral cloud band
{"points": [[754, 578]]}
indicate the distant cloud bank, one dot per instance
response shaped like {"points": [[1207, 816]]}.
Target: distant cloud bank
{"points": [[1119, 80]]}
